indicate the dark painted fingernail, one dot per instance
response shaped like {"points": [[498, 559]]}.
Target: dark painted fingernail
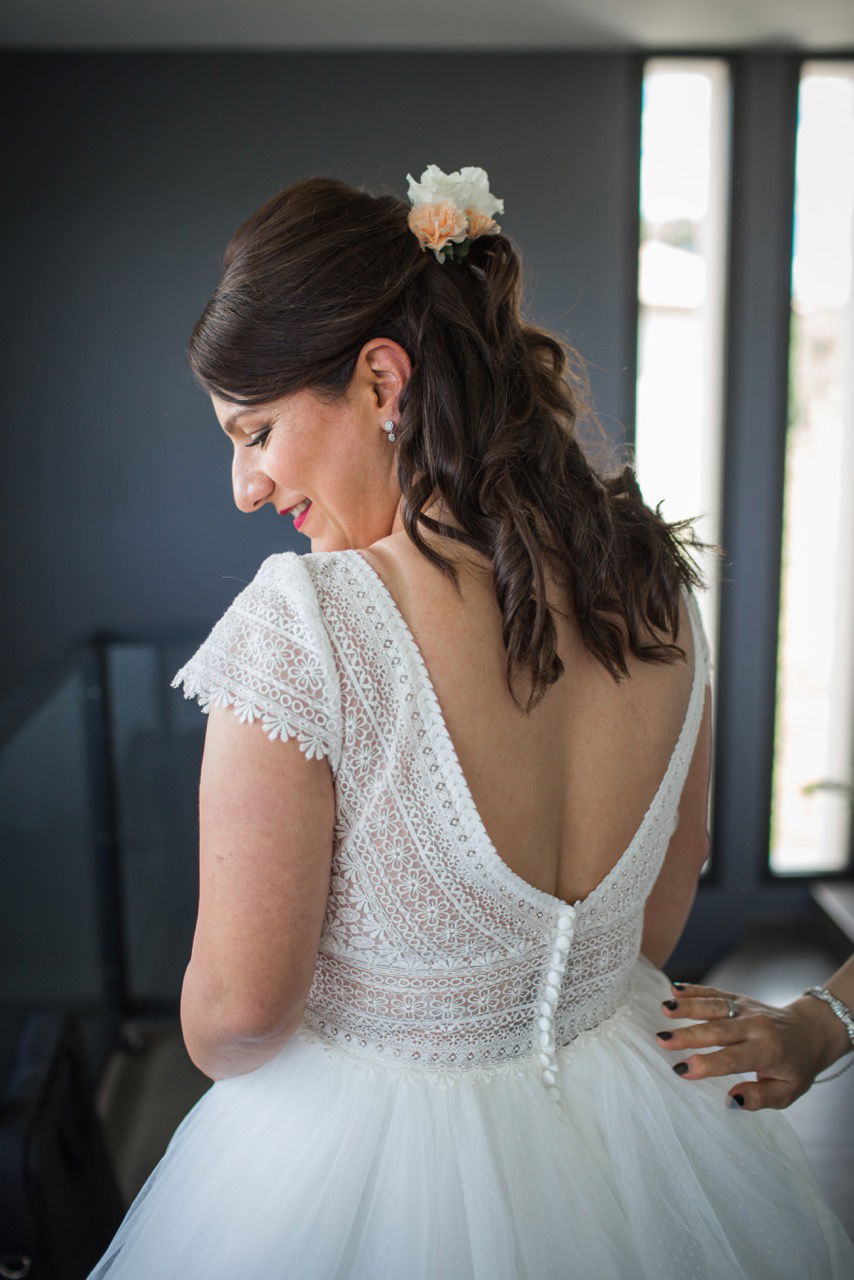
{"points": [[739, 1098], [680, 986], [664, 1035], [670, 1004], [681, 1068]]}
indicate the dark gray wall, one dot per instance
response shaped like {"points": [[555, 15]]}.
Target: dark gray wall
{"points": [[125, 176]]}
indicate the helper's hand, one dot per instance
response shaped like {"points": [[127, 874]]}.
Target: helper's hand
{"points": [[786, 1047]]}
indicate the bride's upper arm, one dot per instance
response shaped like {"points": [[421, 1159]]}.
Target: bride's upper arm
{"points": [[672, 896], [266, 821]]}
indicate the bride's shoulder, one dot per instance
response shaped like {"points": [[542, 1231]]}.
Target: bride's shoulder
{"points": [[414, 579]]}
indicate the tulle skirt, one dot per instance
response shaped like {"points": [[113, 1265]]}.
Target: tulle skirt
{"points": [[319, 1166]]}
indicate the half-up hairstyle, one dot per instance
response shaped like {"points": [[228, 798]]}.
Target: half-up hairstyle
{"points": [[488, 418]]}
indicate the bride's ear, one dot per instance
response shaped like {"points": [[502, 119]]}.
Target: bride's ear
{"points": [[387, 368]]}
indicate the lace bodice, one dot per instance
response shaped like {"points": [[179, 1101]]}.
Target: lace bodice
{"points": [[433, 952]]}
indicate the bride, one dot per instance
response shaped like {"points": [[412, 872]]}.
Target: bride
{"points": [[452, 806]]}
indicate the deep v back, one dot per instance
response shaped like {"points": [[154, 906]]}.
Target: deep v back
{"points": [[610, 871], [434, 951]]}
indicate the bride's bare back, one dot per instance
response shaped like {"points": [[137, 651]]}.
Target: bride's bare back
{"points": [[563, 790]]}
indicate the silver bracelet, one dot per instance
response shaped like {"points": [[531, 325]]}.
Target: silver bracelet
{"points": [[843, 1013]]}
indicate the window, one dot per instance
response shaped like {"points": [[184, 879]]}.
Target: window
{"points": [[681, 279], [681, 298], [812, 775]]}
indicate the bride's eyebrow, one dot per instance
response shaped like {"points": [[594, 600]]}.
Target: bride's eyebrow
{"points": [[231, 420]]}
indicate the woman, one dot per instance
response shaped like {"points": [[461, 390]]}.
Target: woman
{"points": [[457, 821]]}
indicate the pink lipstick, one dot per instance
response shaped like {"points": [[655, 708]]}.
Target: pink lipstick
{"points": [[300, 519]]}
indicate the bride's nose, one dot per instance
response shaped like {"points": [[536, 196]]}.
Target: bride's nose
{"points": [[251, 484]]}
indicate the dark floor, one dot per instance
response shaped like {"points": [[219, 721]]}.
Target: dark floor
{"points": [[145, 1094]]}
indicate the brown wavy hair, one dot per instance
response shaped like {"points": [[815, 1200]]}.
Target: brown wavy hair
{"points": [[489, 417]]}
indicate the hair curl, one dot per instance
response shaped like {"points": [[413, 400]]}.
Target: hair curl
{"points": [[488, 418]]}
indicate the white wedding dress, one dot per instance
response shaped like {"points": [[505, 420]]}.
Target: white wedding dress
{"points": [[476, 1091]]}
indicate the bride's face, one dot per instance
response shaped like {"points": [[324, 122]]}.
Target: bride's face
{"points": [[336, 456]]}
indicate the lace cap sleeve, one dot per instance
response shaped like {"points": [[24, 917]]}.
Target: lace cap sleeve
{"points": [[269, 658]]}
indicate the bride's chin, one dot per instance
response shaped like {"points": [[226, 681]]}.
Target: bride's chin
{"points": [[328, 541]]}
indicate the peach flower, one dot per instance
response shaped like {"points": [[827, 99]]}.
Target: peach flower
{"points": [[438, 224], [480, 224]]}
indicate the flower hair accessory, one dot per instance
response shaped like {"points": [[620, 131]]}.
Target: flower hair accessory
{"points": [[449, 210]]}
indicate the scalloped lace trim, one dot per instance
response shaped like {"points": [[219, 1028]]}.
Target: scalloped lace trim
{"points": [[270, 659], [214, 693]]}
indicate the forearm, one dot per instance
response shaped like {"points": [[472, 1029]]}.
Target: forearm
{"points": [[841, 984], [664, 926], [827, 1029], [215, 1040]]}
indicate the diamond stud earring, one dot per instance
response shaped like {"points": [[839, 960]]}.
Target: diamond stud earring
{"points": [[388, 428]]}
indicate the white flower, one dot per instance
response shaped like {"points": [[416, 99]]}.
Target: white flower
{"points": [[467, 188]]}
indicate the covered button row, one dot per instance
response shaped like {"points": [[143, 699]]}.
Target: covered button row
{"points": [[548, 1004]]}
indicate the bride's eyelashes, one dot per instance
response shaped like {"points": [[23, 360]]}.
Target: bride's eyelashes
{"points": [[259, 439]]}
